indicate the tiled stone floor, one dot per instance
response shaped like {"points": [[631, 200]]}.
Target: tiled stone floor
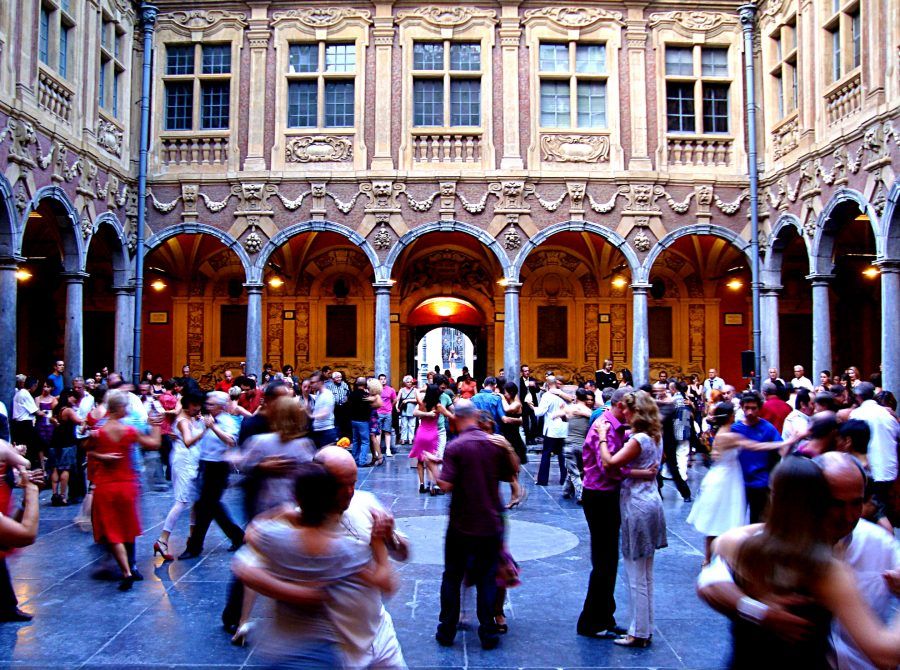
{"points": [[172, 618]]}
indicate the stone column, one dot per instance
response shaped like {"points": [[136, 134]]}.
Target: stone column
{"points": [[640, 339], [510, 34], [124, 328], [8, 361], [258, 37], [383, 35], [821, 323], [771, 341], [254, 328], [383, 328], [636, 42], [890, 320], [74, 341], [511, 344]]}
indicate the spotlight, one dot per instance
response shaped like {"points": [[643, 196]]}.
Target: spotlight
{"points": [[157, 284], [23, 274], [871, 272], [735, 284], [619, 281], [276, 282]]}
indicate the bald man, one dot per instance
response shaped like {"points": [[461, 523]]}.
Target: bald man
{"points": [[869, 550], [369, 639]]}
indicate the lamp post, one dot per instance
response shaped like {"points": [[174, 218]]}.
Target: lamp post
{"points": [[148, 19], [747, 15]]}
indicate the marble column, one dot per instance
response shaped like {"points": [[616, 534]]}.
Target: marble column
{"points": [[383, 329], [511, 343], [254, 329], [890, 325], [383, 36], [8, 332], [74, 341], [510, 34], [124, 340], [640, 339], [258, 37], [821, 334], [771, 341]]}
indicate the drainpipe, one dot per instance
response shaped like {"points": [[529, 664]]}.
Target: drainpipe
{"points": [[747, 14], [148, 19]]}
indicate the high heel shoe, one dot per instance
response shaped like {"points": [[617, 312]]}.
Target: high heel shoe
{"points": [[239, 639], [161, 547], [631, 641]]}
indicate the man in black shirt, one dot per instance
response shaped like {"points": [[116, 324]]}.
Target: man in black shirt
{"points": [[605, 377], [528, 390]]}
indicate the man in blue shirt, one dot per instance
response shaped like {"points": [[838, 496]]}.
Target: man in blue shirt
{"points": [[56, 378], [756, 464], [487, 399]]}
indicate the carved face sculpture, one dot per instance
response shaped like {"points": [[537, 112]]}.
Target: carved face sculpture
{"points": [[189, 193], [576, 192], [318, 190], [704, 196], [252, 191], [448, 189], [381, 189], [642, 194], [512, 189]]}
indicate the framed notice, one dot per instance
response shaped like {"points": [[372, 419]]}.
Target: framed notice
{"points": [[158, 318], [734, 319]]}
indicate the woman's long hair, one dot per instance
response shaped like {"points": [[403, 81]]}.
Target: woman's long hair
{"points": [[432, 397], [286, 418], [644, 414], [792, 551], [316, 491]]}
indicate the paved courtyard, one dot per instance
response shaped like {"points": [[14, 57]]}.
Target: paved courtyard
{"points": [[171, 619]]}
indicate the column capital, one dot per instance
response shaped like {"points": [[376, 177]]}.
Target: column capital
{"points": [[888, 265], [770, 289], [641, 287], [74, 277], [382, 287], [254, 288], [123, 289], [820, 279], [11, 262], [512, 287]]}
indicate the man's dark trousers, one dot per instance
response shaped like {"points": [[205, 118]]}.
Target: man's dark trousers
{"points": [[213, 482], [551, 445], [474, 556], [601, 510]]}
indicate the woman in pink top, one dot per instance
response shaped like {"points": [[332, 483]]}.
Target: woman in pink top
{"points": [[385, 415]]}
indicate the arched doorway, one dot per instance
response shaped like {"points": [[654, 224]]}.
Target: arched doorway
{"points": [[699, 313], [448, 279], [447, 333], [791, 261], [105, 268]]}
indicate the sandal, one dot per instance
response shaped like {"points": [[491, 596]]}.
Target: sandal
{"points": [[502, 628]]}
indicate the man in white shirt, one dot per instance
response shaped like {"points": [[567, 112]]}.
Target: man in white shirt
{"points": [[798, 420], [871, 552], [800, 381], [882, 445], [713, 382], [24, 413], [555, 431], [323, 427]]}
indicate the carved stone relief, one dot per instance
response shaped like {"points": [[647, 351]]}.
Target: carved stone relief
{"points": [[301, 313], [318, 149], [575, 148]]}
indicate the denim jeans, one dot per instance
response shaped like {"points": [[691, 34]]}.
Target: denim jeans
{"points": [[360, 441]]}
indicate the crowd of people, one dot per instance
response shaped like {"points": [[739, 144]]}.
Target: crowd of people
{"points": [[811, 467]]}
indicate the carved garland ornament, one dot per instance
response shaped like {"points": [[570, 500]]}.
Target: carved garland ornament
{"points": [[575, 148], [571, 17], [694, 21], [447, 17], [318, 149], [323, 17], [202, 20]]}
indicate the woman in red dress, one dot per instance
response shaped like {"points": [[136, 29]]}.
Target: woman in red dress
{"points": [[115, 509]]}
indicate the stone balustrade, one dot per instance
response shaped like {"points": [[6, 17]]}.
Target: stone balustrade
{"points": [[194, 150], [447, 148], [700, 151], [55, 97], [844, 99]]}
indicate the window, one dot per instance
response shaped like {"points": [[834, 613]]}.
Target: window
{"points": [[573, 85], [321, 89], [55, 23], [197, 97], [340, 331], [553, 332], [843, 31], [784, 71], [698, 85], [233, 331], [447, 84], [112, 67]]}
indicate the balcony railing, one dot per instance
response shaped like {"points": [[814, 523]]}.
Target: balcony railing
{"points": [[456, 147], [700, 151], [843, 99], [194, 150], [55, 97]]}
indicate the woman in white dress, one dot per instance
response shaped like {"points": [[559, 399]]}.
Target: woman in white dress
{"points": [[722, 504], [187, 431]]}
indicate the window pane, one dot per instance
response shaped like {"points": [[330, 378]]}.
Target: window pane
{"points": [[715, 108], [779, 92], [590, 58], [101, 85], [179, 105], [115, 95], [117, 45], [777, 42], [836, 55], [63, 67], [591, 104], [465, 56], [680, 108], [679, 61], [428, 56], [215, 105], [554, 57], [428, 102], [555, 104], [465, 102], [44, 37], [338, 104], [340, 57], [217, 59], [180, 59], [795, 93], [856, 32], [303, 58], [303, 100], [714, 62], [66, 5]]}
